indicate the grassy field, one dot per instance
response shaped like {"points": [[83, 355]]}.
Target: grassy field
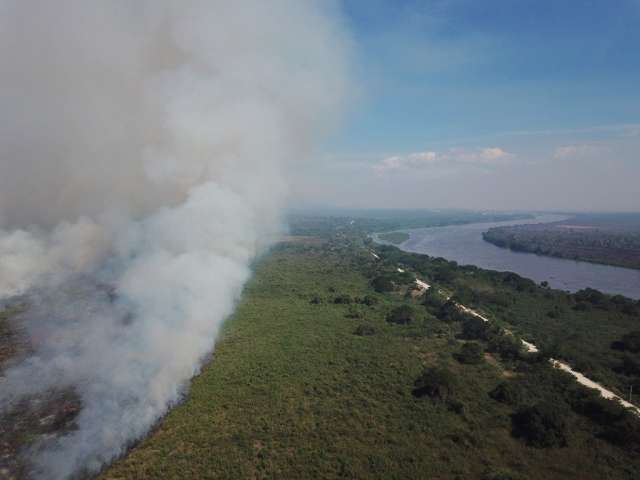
{"points": [[292, 392], [394, 237]]}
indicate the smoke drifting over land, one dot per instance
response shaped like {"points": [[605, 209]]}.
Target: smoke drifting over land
{"points": [[144, 152]]}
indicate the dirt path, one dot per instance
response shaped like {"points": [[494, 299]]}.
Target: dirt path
{"points": [[580, 378]]}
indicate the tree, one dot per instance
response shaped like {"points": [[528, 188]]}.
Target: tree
{"points": [[507, 392], [342, 299], [474, 328], [507, 346], [438, 383], [542, 425], [401, 315], [364, 330], [369, 300], [382, 284], [471, 353], [433, 300], [629, 342]]}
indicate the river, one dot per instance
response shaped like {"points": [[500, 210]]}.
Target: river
{"points": [[464, 244]]}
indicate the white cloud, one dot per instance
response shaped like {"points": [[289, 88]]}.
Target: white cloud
{"points": [[577, 151], [490, 156]]}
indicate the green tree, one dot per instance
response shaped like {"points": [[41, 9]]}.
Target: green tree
{"points": [[471, 353], [401, 315], [542, 425], [438, 383]]}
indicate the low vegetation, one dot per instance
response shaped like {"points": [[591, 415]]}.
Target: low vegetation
{"points": [[300, 387], [394, 237]]}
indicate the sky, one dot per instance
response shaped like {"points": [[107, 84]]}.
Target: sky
{"points": [[493, 104]]}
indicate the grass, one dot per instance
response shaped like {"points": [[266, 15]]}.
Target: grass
{"points": [[394, 237], [292, 392]]}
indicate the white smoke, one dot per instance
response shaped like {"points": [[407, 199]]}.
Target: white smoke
{"points": [[143, 166]]}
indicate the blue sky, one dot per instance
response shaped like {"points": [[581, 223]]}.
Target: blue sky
{"points": [[458, 77]]}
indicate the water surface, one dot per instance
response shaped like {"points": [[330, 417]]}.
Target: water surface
{"points": [[464, 244]]}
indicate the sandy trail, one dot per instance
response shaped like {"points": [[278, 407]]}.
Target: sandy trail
{"points": [[580, 378]]}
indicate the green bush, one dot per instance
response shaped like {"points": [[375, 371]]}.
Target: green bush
{"points": [[625, 433], [364, 330], [471, 353], [382, 284], [474, 328], [355, 311], [437, 383], [629, 342], [369, 300], [433, 301], [401, 315], [507, 346], [450, 312], [507, 392], [342, 299], [542, 425]]}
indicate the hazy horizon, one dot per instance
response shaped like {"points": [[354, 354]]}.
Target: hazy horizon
{"points": [[496, 105]]}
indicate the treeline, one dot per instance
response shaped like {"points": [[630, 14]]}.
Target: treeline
{"points": [[590, 244], [546, 404]]}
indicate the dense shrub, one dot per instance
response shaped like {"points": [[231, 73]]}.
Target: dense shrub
{"points": [[465, 296], [592, 296], [315, 299], [455, 406], [581, 307], [518, 283], [433, 300], [600, 410], [629, 342], [355, 311], [401, 315], [364, 330], [625, 433], [450, 312], [369, 300], [508, 392], [474, 328], [444, 274], [342, 299], [471, 353], [628, 366], [438, 383], [382, 284], [542, 425], [507, 346]]}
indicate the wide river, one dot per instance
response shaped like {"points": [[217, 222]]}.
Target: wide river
{"points": [[464, 244]]}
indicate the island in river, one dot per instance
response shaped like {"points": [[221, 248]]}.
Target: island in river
{"points": [[610, 239]]}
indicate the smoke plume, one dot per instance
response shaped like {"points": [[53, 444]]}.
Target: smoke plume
{"points": [[143, 166]]}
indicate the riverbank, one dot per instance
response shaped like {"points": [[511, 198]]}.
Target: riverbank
{"points": [[464, 244], [583, 242]]}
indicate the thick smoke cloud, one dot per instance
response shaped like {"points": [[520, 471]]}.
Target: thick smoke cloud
{"points": [[143, 166]]}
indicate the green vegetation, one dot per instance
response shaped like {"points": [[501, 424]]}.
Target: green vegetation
{"points": [[402, 315], [387, 220], [611, 240], [394, 237], [471, 353], [300, 388]]}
